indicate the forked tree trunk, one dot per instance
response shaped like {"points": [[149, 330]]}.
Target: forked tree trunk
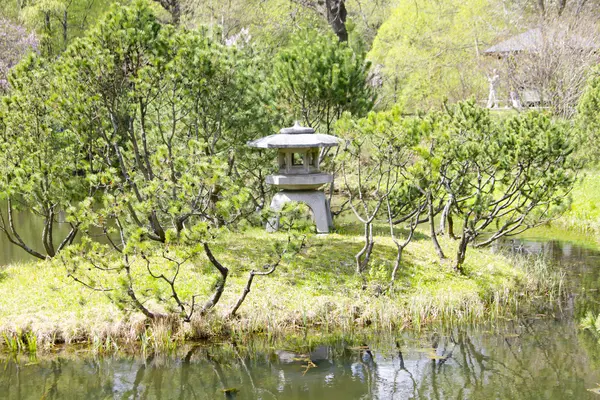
{"points": [[220, 285], [174, 8], [333, 10], [364, 255], [446, 221], [11, 232], [251, 276], [47, 234], [401, 246]]}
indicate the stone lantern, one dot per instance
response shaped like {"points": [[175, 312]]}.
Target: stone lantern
{"points": [[299, 176]]}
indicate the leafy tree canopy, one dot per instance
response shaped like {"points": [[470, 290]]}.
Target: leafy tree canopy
{"points": [[430, 51], [317, 79]]}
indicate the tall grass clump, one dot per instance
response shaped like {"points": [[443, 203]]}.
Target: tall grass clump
{"points": [[20, 342], [591, 323]]}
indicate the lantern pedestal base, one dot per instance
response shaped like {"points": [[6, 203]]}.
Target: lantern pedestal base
{"points": [[314, 199]]}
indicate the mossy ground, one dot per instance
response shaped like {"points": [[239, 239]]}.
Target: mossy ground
{"points": [[318, 289]]}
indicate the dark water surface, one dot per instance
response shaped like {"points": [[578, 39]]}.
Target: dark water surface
{"points": [[546, 357]]}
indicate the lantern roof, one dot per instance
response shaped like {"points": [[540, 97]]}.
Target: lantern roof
{"points": [[295, 137]]}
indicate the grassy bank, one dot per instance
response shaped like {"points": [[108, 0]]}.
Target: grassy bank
{"points": [[319, 289], [584, 213]]}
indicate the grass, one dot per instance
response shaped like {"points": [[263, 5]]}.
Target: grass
{"points": [[41, 306], [591, 323], [584, 213]]}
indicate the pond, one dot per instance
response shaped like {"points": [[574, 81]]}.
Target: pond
{"points": [[30, 230], [546, 357], [536, 360]]}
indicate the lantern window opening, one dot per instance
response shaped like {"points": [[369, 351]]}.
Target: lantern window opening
{"points": [[297, 159]]}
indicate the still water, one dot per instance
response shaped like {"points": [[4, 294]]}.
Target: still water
{"points": [[546, 357], [29, 228], [536, 360]]}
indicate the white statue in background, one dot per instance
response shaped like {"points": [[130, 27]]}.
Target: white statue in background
{"points": [[514, 99], [492, 98]]}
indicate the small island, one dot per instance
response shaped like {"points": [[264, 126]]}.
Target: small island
{"points": [[299, 199]]}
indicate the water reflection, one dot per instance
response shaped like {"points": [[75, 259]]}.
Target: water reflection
{"points": [[563, 252], [581, 267], [538, 359]]}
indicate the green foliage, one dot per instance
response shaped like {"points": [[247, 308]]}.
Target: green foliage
{"points": [[41, 169], [138, 131], [499, 177], [58, 22], [166, 108], [296, 217], [163, 116], [504, 178], [429, 52], [317, 79], [379, 162], [134, 132], [382, 144], [318, 288], [588, 120], [270, 23]]}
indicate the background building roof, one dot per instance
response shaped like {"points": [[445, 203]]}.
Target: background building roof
{"points": [[534, 39]]}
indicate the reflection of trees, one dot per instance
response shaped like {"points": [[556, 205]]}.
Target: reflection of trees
{"points": [[402, 369], [542, 361], [536, 359]]}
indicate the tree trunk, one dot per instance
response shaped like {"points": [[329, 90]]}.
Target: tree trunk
{"points": [[176, 12], [173, 7], [156, 226], [48, 32], [336, 16], [138, 304], [444, 217], [364, 255], [251, 276], [400, 249], [436, 244], [561, 6], [65, 27], [446, 221], [333, 10], [220, 285], [450, 221], [47, 234], [542, 7], [461, 253], [11, 233]]}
